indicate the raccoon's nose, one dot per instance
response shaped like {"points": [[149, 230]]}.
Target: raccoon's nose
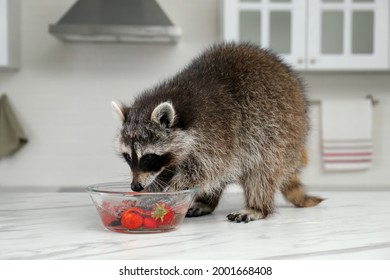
{"points": [[136, 187]]}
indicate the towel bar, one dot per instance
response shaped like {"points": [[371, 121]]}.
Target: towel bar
{"points": [[368, 96]]}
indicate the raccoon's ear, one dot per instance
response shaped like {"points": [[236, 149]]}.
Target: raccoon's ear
{"points": [[119, 110], [164, 115]]}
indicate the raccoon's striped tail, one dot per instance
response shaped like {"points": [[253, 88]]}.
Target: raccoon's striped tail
{"points": [[293, 190], [294, 193]]}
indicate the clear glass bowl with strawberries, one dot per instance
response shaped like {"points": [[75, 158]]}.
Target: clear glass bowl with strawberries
{"points": [[123, 210]]}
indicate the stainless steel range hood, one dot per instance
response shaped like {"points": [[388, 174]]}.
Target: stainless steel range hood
{"points": [[124, 21]]}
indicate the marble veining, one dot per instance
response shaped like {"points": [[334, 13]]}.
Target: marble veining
{"points": [[348, 225]]}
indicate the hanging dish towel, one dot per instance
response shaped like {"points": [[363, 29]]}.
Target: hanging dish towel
{"points": [[347, 134], [12, 136]]}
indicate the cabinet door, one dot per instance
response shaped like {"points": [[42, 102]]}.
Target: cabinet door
{"points": [[9, 34], [275, 24], [348, 34], [3, 33]]}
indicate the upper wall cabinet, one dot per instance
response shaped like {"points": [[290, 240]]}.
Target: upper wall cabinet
{"points": [[314, 34], [9, 34]]}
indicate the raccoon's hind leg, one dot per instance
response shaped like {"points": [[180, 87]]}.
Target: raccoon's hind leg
{"points": [[205, 203], [293, 191], [259, 191]]}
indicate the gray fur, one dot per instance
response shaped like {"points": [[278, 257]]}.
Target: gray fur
{"points": [[240, 116]]}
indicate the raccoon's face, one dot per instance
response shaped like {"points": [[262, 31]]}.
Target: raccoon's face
{"points": [[149, 171], [152, 146]]}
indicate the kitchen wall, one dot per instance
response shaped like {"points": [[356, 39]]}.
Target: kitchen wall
{"points": [[62, 96]]}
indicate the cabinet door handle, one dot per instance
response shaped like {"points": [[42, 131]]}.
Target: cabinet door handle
{"points": [[313, 60], [300, 60]]}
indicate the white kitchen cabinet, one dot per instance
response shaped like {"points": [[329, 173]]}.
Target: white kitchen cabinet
{"points": [[314, 34], [9, 34]]}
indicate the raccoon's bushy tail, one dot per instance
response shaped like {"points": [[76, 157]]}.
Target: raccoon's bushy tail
{"points": [[293, 190]]}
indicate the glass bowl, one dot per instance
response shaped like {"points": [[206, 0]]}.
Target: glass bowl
{"points": [[122, 210]]}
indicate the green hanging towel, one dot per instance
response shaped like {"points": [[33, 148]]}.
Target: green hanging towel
{"points": [[12, 136]]}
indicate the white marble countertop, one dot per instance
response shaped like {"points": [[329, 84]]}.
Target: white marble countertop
{"points": [[348, 225]]}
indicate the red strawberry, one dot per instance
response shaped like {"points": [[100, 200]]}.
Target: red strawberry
{"points": [[131, 220], [150, 223], [138, 211], [168, 218], [163, 213]]}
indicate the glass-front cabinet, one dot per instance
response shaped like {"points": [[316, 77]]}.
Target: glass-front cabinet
{"points": [[348, 34], [314, 34]]}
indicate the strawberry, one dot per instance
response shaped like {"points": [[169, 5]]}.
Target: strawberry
{"points": [[131, 220], [168, 218], [138, 211], [162, 213], [150, 223]]}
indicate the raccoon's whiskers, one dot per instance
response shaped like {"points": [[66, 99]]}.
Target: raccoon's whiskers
{"points": [[166, 188], [169, 170], [162, 185]]}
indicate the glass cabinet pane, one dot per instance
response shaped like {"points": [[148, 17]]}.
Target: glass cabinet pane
{"points": [[362, 32], [250, 23], [332, 32], [280, 32]]}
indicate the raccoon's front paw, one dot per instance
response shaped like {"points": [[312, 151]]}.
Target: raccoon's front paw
{"points": [[245, 215], [198, 209]]}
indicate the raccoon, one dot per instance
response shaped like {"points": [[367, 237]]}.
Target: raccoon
{"points": [[235, 114]]}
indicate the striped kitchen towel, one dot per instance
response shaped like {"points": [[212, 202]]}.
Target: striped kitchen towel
{"points": [[346, 134]]}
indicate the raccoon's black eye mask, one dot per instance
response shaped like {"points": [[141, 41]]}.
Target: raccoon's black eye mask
{"points": [[127, 158], [149, 162], [132, 163]]}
